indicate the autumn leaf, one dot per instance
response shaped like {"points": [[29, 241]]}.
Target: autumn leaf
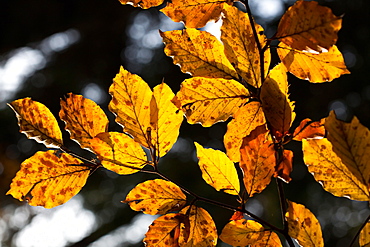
{"points": [[364, 238], [194, 13], [208, 101], [269, 239], [246, 119], [218, 170], [257, 160], [164, 231], [119, 153], [84, 119], [145, 4], [49, 179], [241, 47], [37, 122], [156, 197], [307, 25], [285, 167], [276, 105], [199, 230], [315, 68], [303, 226], [309, 129], [198, 53]]}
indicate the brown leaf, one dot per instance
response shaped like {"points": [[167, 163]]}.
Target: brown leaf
{"points": [[145, 4], [285, 167], [308, 129]]}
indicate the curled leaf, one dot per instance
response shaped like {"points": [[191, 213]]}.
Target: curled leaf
{"points": [[285, 167], [308, 129]]}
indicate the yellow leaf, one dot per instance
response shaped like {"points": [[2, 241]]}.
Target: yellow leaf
{"points": [[242, 232], [257, 160], [246, 119], [194, 13], [308, 129], [199, 53], [269, 239], [307, 25], [83, 117], [328, 169], [37, 122], [208, 101], [165, 119], [156, 197], [164, 231], [303, 226], [241, 47], [276, 105], [364, 238], [218, 170], [199, 230], [119, 153], [315, 68], [48, 179], [145, 4]]}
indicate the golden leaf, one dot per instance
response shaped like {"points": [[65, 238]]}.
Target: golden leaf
{"points": [[269, 239], [308, 129], [199, 53], [156, 197], [328, 169], [364, 238], [119, 153], [315, 68], [164, 231], [199, 230], [218, 170], [37, 122], [246, 119], [208, 101], [48, 179], [194, 13], [145, 4], [257, 160], [241, 47], [276, 105], [83, 117], [307, 25], [303, 226]]}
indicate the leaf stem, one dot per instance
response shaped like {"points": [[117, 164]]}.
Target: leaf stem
{"points": [[359, 231]]}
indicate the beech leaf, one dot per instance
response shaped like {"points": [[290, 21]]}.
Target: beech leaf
{"points": [[145, 4], [364, 238], [308, 129]]}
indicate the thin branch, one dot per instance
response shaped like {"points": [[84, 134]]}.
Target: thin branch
{"points": [[359, 231]]}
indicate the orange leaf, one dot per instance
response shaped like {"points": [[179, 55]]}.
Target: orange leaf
{"points": [[156, 197], [145, 4], [246, 119], [119, 153], [308, 129], [307, 25], [315, 68], [208, 101], [48, 179], [83, 117], [37, 122], [240, 45], [303, 226], [257, 160], [198, 52], [285, 167], [194, 13], [237, 216], [200, 229], [164, 231], [218, 170], [364, 238]]}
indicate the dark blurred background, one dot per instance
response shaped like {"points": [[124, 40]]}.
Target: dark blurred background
{"points": [[49, 48]]}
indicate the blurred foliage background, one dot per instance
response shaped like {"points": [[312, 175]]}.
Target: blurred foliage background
{"points": [[49, 48]]}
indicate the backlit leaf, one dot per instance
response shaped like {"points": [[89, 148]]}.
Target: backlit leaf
{"points": [[199, 230], [198, 52], [194, 13], [308, 129], [37, 122], [208, 101], [83, 117], [315, 68], [303, 226], [269, 239], [285, 167], [241, 47], [329, 169], [307, 25], [156, 197], [218, 170], [145, 4], [164, 231], [48, 179], [364, 238], [246, 119], [119, 153], [257, 160], [276, 105]]}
